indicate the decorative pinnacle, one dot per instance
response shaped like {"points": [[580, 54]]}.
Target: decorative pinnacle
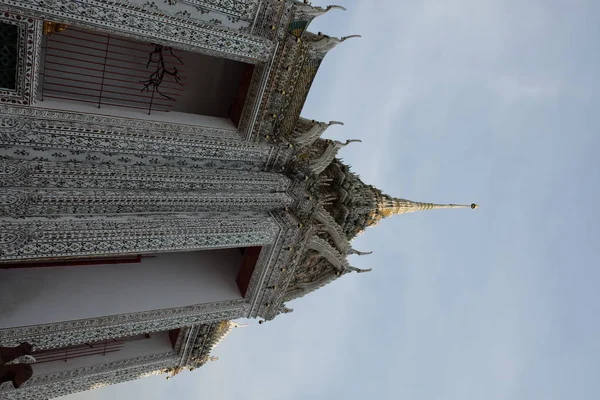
{"points": [[388, 206]]}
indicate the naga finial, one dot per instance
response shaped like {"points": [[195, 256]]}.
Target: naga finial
{"points": [[322, 43], [359, 271], [335, 6], [360, 253], [349, 37], [335, 123]]}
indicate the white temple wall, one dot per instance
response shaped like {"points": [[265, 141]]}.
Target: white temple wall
{"points": [[53, 294]]}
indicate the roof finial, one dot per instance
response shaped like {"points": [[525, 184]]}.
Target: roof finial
{"points": [[359, 271], [349, 37], [321, 43], [307, 10], [352, 141], [388, 206], [360, 253]]}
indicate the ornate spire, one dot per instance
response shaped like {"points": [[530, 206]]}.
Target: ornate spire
{"points": [[387, 206]]}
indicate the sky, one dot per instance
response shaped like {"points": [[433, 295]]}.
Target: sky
{"points": [[494, 102]]}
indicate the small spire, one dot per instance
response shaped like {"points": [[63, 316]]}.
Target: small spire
{"points": [[402, 206]]}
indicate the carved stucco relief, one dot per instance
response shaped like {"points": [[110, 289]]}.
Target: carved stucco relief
{"points": [[44, 202], [237, 15], [71, 175], [148, 24], [30, 238], [45, 135], [81, 379], [67, 333]]}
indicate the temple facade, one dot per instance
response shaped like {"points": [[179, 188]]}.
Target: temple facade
{"points": [[157, 182]]}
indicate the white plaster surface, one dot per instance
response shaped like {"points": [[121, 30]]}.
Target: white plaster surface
{"points": [[43, 295]]}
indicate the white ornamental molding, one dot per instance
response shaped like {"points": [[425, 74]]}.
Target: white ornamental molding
{"points": [[28, 46], [146, 24], [63, 383], [40, 238], [235, 14], [102, 123], [49, 136], [31, 174], [68, 333], [278, 261], [243, 9], [45, 202]]}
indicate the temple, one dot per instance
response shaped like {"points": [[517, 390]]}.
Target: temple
{"points": [[158, 182]]}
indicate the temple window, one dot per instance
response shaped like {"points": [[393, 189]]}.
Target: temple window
{"points": [[102, 73], [9, 48]]}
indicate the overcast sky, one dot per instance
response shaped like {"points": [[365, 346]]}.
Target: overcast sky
{"points": [[485, 101]]}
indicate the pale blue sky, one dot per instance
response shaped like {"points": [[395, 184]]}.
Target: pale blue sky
{"points": [[456, 101]]}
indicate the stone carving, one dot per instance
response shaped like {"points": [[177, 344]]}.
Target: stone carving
{"points": [[25, 173], [13, 202], [243, 9], [12, 240], [308, 12], [86, 235], [31, 202], [317, 166], [313, 133], [29, 45], [325, 250], [141, 145], [321, 44], [143, 24], [81, 379], [14, 118], [62, 334], [285, 252], [335, 232]]}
